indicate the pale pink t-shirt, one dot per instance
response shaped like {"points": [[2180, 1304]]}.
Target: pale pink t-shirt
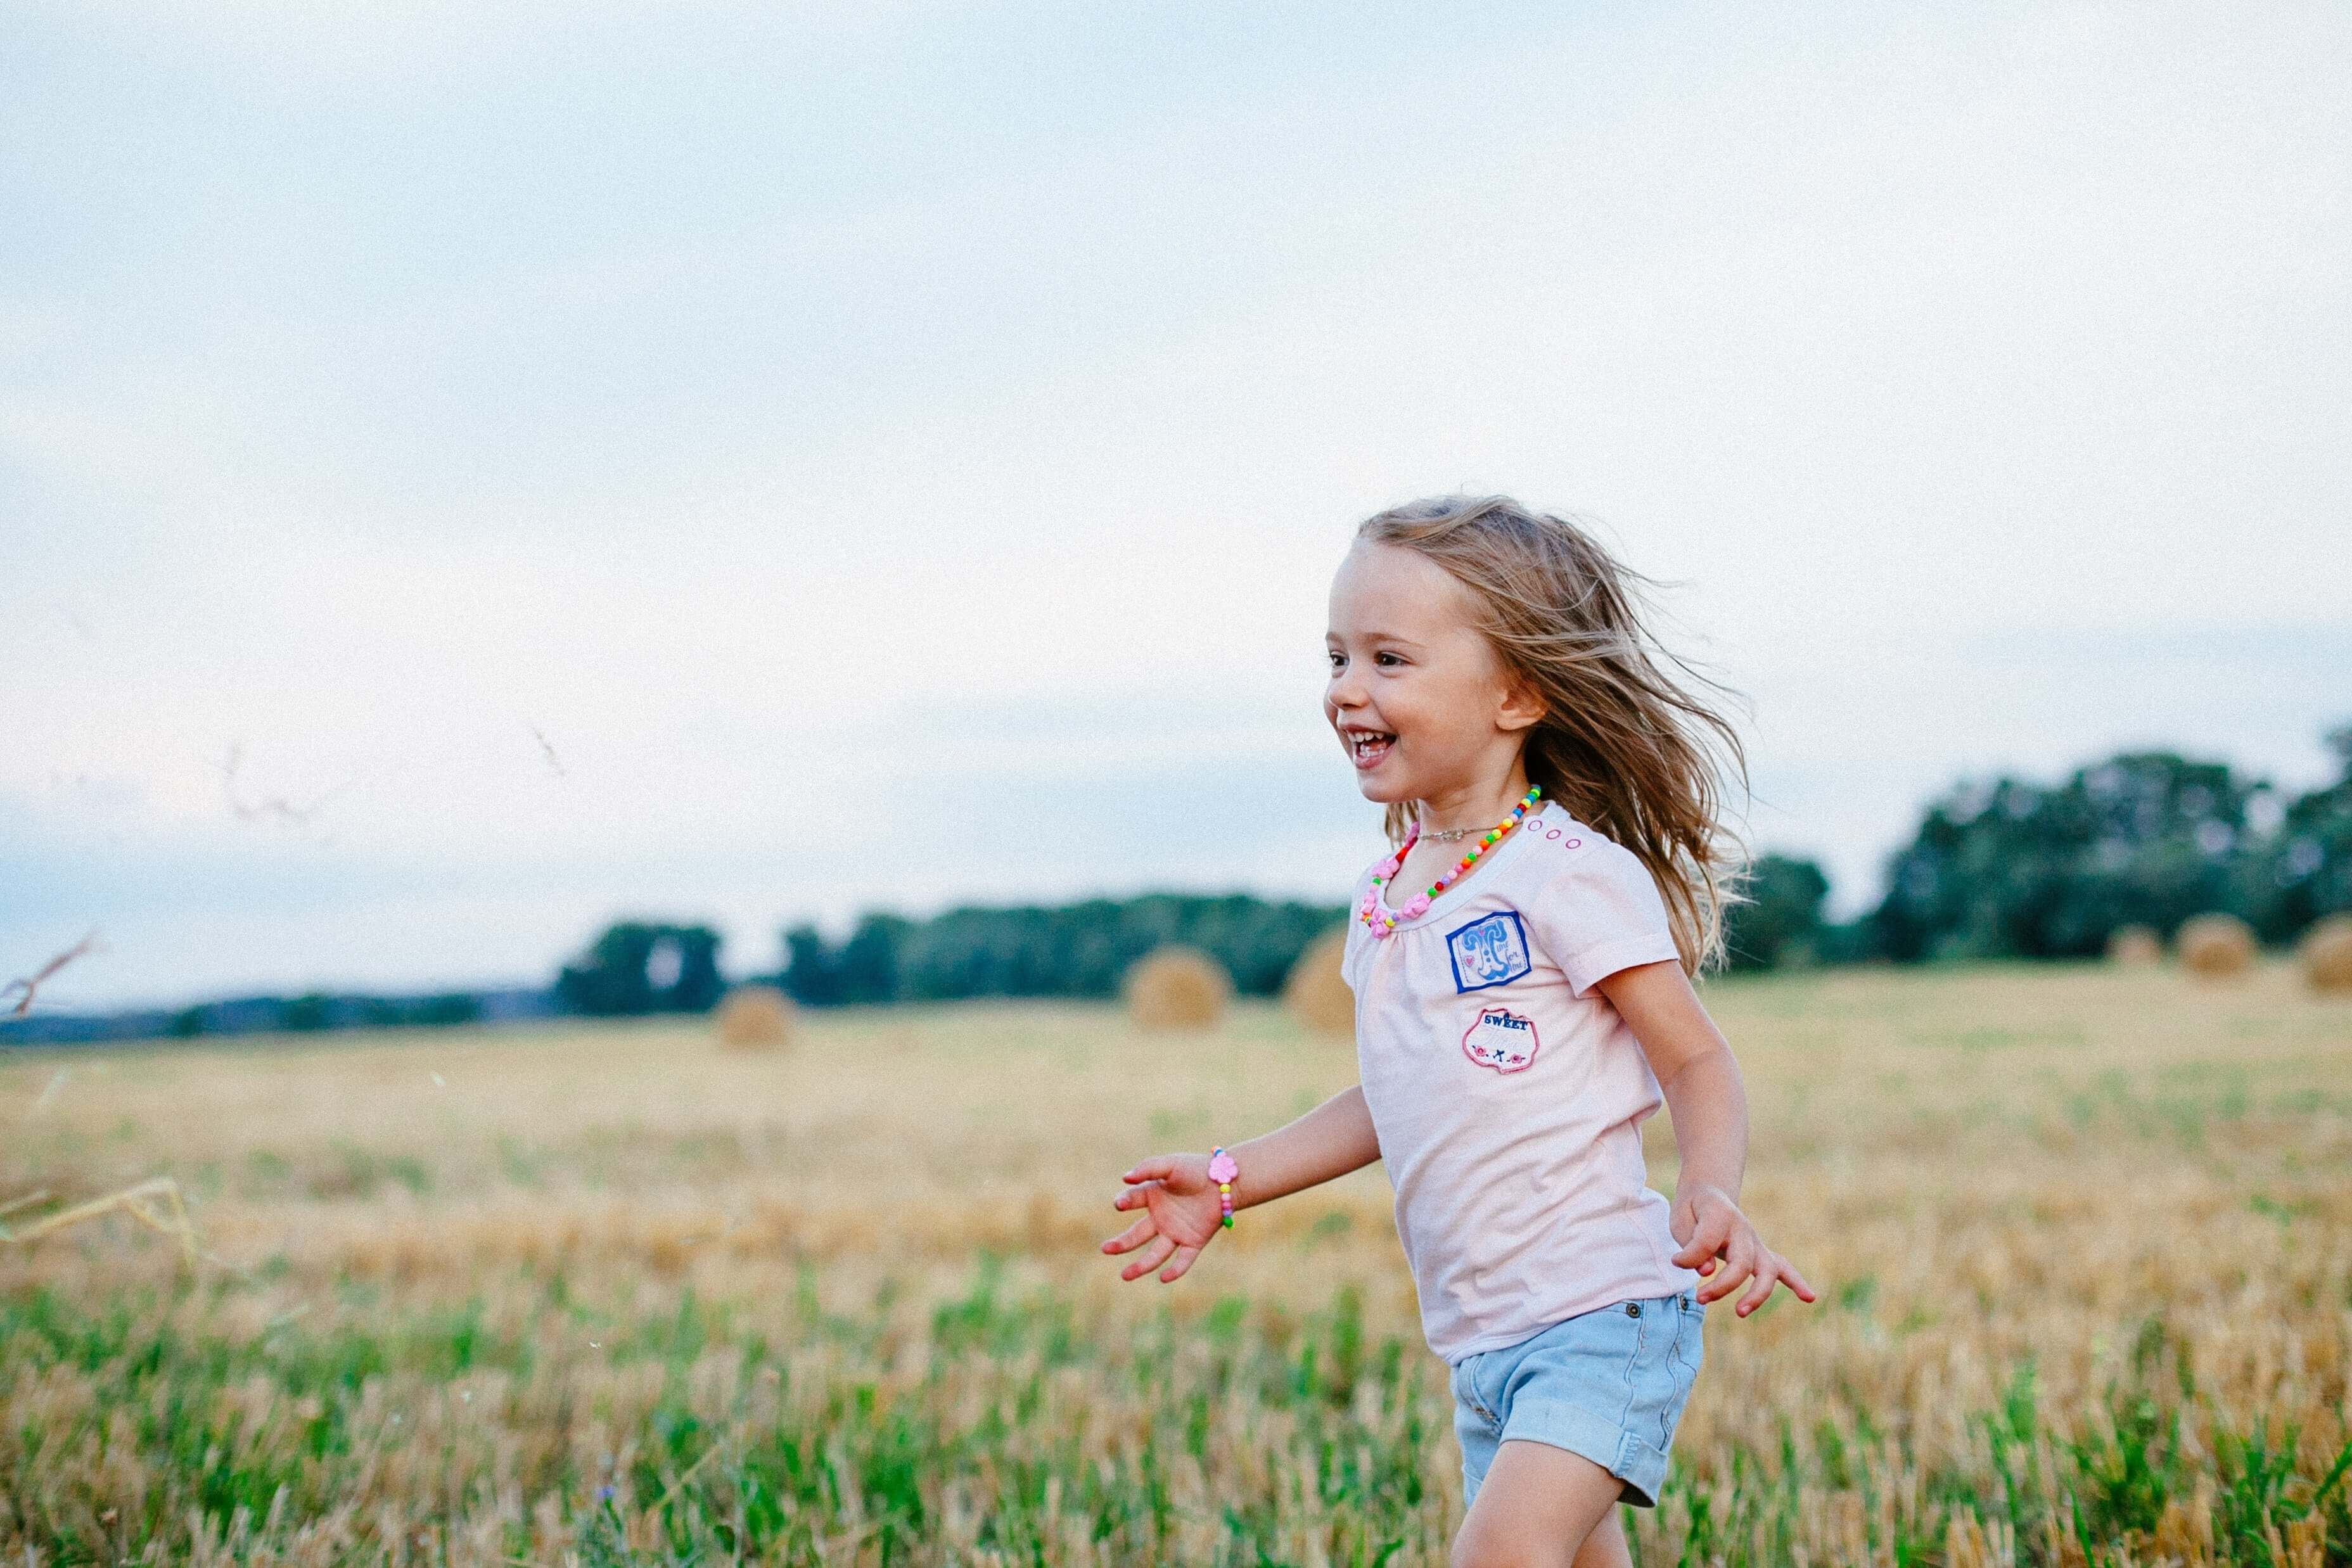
{"points": [[1507, 1092]]}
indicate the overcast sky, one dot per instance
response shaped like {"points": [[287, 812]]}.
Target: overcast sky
{"points": [[755, 463]]}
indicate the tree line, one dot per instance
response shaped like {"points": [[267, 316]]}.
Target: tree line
{"points": [[1031, 950], [2006, 868], [2014, 868], [2018, 870], [2009, 868]]}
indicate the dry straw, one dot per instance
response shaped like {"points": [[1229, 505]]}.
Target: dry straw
{"points": [[155, 1203], [755, 1017], [2215, 946], [2326, 952], [1315, 993], [2135, 947], [1177, 987]]}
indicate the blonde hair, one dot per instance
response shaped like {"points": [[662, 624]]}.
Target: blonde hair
{"points": [[1624, 744]]}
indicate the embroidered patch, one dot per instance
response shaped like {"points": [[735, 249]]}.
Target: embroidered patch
{"points": [[1489, 951], [1502, 1040]]}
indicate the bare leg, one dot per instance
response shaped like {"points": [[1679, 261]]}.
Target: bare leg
{"points": [[1537, 1509], [1605, 1547]]}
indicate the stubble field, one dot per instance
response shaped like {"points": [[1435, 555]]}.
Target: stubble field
{"points": [[609, 1294]]}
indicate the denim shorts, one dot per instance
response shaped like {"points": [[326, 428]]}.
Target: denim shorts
{"points": [[1608, 1384]]}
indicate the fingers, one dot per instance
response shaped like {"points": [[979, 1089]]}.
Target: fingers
{"points": [[1706, 1241], [1159, 1167], [1739, 1265], [1177, 1264], [1134, 1196], [1133, 1236], [1153, 1256], [1772, 1269]]}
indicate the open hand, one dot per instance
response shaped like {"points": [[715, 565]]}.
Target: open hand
{"points": [[1182, 1215], [1718, 1241]]}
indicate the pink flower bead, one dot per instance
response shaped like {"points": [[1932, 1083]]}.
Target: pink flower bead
{"points": [[1419, 906]]}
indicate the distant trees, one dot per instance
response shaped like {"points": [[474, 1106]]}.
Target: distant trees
{"points": [[314, 1012], [2010, 869], [863, 970], [1070, 950], [636, 967], [2304, 872], [1781, 921], [2018, 869]]}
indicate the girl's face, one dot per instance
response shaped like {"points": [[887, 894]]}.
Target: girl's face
{"points": [[1418, 697]]}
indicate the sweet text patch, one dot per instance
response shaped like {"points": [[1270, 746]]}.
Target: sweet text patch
{"points": [[1502, 1040]]}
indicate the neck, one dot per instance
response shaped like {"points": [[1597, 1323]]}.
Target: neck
{"points": [[1478, 804]]}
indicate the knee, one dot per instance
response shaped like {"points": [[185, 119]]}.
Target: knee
{"points": [[1481, 1543], [1475, 1548]]}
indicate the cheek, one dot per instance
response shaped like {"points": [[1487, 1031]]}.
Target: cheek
{"points": [[1438, 716], [1410, 699]]}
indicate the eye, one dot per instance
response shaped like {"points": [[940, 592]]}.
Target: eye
{"points": [[1339, 660], [1386, 660]]}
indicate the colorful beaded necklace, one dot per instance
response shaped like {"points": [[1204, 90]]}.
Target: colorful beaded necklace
{"points": [[1383, 920]]}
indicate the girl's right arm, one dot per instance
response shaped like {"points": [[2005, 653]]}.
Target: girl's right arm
{"points": [[1182, 1214]]}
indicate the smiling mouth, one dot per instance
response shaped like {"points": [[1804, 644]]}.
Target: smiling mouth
{"points": [[1367, 748]]}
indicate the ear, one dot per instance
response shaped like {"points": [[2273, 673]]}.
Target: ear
{"points": [[1521, 706]]}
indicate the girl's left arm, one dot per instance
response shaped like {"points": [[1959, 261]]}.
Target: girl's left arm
{"points": [[1703, 1088]]}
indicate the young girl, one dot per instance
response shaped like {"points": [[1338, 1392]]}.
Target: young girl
{"points": [[1521, 967]]}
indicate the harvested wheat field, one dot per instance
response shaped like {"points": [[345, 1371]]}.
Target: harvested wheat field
{"points": [[612, 1294]]}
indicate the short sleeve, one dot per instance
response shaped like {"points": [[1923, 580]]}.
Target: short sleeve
{"points": [[1599, 912]]}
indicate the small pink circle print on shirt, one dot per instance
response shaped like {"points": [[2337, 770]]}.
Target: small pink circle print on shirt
{"points": [[1502, 1040]]}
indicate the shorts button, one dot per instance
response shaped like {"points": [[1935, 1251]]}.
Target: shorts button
{"points": [[1633, 1309]]}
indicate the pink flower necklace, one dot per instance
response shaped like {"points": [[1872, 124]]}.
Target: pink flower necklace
{"points": [[1383, 919]]}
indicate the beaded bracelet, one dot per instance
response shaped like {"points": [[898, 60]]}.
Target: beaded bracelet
{"points": [[1222, 1170]]}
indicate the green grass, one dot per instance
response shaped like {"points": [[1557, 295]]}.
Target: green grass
{"points": [[875, 1438]]}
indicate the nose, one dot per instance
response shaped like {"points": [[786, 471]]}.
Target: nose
{"points": [[1346, 691]]}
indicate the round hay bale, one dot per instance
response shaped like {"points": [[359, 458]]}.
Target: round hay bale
{"points": [[2215, 946], [2135, 947], [754, 1018], [2326, 952], [1177, 987], [1316, 994]]}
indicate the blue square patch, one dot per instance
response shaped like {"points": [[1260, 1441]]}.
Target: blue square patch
{"points": [[1492, 950]]}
